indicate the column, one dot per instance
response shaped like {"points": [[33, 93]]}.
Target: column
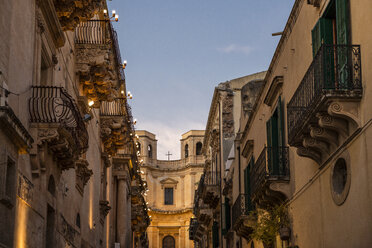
{"points": [[123, 231]]}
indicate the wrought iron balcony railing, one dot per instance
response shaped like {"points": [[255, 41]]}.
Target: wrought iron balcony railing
{"points": [[271, 165], [100, 32], [192, 228], [113, 108], [212, 178], [49, 104], [334, 73], [241, 209], [91, 32]]}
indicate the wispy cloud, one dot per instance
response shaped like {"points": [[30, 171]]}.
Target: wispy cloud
{"points": [[169, 135], [234, 48]]}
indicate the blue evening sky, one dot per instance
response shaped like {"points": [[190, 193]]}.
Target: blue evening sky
{"points": [[179, 50]]}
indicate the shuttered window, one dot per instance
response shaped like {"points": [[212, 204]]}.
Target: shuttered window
{"points": [[168, 196]]}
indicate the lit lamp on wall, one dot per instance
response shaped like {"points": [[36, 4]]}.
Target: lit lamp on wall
{"points": [[124, 64], [114, 17]]}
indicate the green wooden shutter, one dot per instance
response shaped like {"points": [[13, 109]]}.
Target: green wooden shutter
{"points": [[343, 24], [280, 134], [215, 236], [248, 201], [269, 128], [342, 21], [227, 214], [322, 33]]}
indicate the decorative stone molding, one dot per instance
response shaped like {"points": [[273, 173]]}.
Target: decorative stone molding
{"points": [[12, 127], [248, 148], [83, 174], [72, 12], [25, 188], [169, 182], [67, 231], [113, 134], [315, 3], [274, 90], [104, 208], [51, 20]]}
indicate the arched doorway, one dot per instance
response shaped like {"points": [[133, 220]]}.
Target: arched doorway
{"points": [[169, 242]]}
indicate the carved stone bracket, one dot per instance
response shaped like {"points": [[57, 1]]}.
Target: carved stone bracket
{"points": [[57, 141], [113, 134], [328, 130], [72, 12], [315, 3], [104, 208], [83, 174]]}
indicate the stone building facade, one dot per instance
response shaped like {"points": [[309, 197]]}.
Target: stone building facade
{"points": [[230, 99], [68, 163], [301, 157], [171, 185]]}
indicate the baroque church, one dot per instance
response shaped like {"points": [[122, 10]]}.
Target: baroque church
{"points": [[171, 186]]}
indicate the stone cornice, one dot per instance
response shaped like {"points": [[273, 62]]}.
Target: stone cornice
{"points": [[211, 118], [14, 127], [51, 19], [178, 211], [175, 169]]}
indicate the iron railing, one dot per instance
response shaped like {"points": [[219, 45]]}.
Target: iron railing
{"points": [[91, 32], [241, 208], [50, 104], [192, 228], [212, 178], [334, 72], [113, 108], [100, 32], [272, 164], [197, 195]]}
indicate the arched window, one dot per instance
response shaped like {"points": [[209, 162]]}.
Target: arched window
{"points": [[199, 146], [169, 242], [78, 220], [52, 186], [186, 150], [149, 151]]}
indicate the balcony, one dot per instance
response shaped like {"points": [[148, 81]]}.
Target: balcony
{"points": [[56, 116], [270, 176], [116, 127], [99, 63], [192, 229], [242, 221], [211, 193], [323, 111]]}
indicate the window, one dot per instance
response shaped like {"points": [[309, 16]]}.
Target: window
{"points": [[52, 186], [149, 151], [78, 220], [8, 177], [275, 140], [340, 179], [199, 146], [186, 150], [169, 242], [46, 67], [168, 196], [139, 147]]}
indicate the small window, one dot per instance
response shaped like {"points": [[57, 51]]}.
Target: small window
{"points": [[139, 147], [168, 196], [149, 151], [340, 180], [78, 220], [199, 146], [186, 150], [10, 179], [52, 186], [169, 242]]}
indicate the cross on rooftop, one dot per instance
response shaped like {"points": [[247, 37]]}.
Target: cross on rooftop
{"points": [[168, 154]]}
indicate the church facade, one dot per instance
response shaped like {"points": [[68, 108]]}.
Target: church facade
{"points": [[171, 186]]}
